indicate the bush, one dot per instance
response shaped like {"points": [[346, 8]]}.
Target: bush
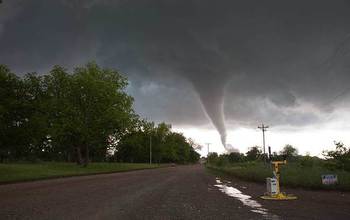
{"points": [[307, 161], [235, 157]]}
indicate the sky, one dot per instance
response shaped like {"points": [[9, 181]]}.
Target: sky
{"points": [[215, 70]]}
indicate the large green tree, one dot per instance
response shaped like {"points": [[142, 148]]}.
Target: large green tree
{"points": [[253, 153], [89, 106], [289, 152], [12, 115], [63, 115]]}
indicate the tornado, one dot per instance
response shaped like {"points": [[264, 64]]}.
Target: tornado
{"points": [[212, 100]]}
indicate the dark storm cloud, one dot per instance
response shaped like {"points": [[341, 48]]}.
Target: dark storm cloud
{"points": [[265, 59]]}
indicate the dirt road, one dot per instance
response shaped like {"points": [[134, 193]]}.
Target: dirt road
{"points": [[182, 192]]}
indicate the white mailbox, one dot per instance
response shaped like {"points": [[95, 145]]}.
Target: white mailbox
{"points": [[271, 184]]}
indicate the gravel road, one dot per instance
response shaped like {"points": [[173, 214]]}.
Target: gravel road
{"points": [[181, 192]]}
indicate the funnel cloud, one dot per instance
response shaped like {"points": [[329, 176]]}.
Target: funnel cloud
{"points": [[242, 62], [213, 103]]}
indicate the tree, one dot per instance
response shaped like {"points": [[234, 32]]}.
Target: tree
{"points": [[37, 115], [194, 156], [289, 152], [235, 157], [78, 116], [167, 146], [253, 153], [12, 115], [159, 138], [133, 147], [23, 116], [212, 157], [340, 156], [87, 107]]}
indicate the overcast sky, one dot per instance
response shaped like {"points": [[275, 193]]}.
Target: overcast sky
{"points": [[207, 67]]}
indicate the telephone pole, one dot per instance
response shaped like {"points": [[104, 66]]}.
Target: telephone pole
{"points": [[208, 151], [150, 149], [263, 129]]}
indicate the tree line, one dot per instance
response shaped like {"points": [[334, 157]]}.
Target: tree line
{"points": [[338, 159], [81, 116]]}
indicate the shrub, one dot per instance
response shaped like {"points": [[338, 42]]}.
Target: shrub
{"points": [[307, 161]]}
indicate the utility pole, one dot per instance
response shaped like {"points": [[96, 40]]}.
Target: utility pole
{"points": [[208, 152], [150, 149], [263, 129]]}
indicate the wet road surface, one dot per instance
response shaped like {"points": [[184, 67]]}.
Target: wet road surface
{"points": [[182, 192]]}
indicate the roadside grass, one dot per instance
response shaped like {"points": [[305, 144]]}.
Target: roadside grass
{"points": [[17, 172], [292, 174]]}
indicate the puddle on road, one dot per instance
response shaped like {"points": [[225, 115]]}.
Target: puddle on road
{"points": [[245, 199]]}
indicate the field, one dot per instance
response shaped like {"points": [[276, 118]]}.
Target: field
{"points": [[292, 174], [16, 172]]}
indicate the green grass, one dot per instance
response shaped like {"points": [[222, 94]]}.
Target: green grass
{"points": [[292, 174], [16, 172]]}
